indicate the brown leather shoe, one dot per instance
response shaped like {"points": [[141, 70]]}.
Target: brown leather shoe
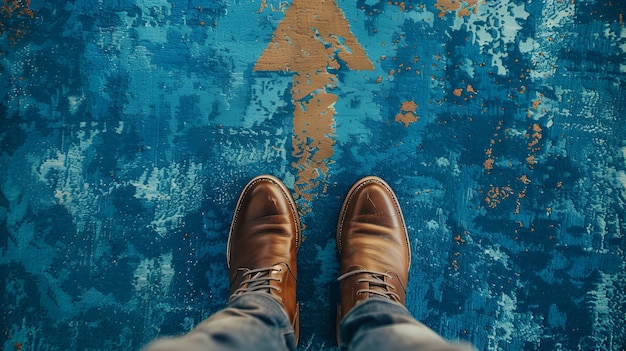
{"points": [[373, 246], [263, 243]]}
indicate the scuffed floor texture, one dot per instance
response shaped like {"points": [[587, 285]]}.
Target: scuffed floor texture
{"points": [[128, 129]]}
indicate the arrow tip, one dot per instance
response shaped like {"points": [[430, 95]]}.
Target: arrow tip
{"points": [[313, 34]]}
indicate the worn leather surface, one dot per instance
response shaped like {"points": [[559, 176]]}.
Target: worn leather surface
{"points": [[372, 236], [265, 232]]}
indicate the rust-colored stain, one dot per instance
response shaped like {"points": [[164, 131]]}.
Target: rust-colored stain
{"points": [[535, 137], [538, 102], [313, 37], [497, 195], [466, 93], [264, 5], [462, 8], [459, 240], [533, 145], [524, 179], [15, 16], [407, 113], [400, 4], [488, 164]]}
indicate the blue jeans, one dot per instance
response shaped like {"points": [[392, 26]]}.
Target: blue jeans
{"points": [[256, 321]]}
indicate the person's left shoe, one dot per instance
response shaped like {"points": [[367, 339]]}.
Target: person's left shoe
{"points": [[263, 243]]}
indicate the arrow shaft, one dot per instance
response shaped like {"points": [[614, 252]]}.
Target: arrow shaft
{"points": [[313, 38], [313, 142]]}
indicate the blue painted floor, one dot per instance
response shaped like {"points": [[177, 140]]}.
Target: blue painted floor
{"points": [[128, 129]]}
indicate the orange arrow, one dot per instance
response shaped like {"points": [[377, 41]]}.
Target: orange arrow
{"points": [[313, 37]]}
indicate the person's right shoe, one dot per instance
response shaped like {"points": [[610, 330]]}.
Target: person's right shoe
{"points": [[373, 246], [263, 244]]}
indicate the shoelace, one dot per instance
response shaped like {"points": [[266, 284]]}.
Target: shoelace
{"points": [[257, 280], [375, 279]]}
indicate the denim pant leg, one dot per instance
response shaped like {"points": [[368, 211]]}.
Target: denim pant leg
{"points": [[253, 321], [379, 324]]}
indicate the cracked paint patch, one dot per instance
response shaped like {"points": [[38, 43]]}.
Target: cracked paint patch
{"points": [[407, 113], [462, 8], [15, 17]]}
